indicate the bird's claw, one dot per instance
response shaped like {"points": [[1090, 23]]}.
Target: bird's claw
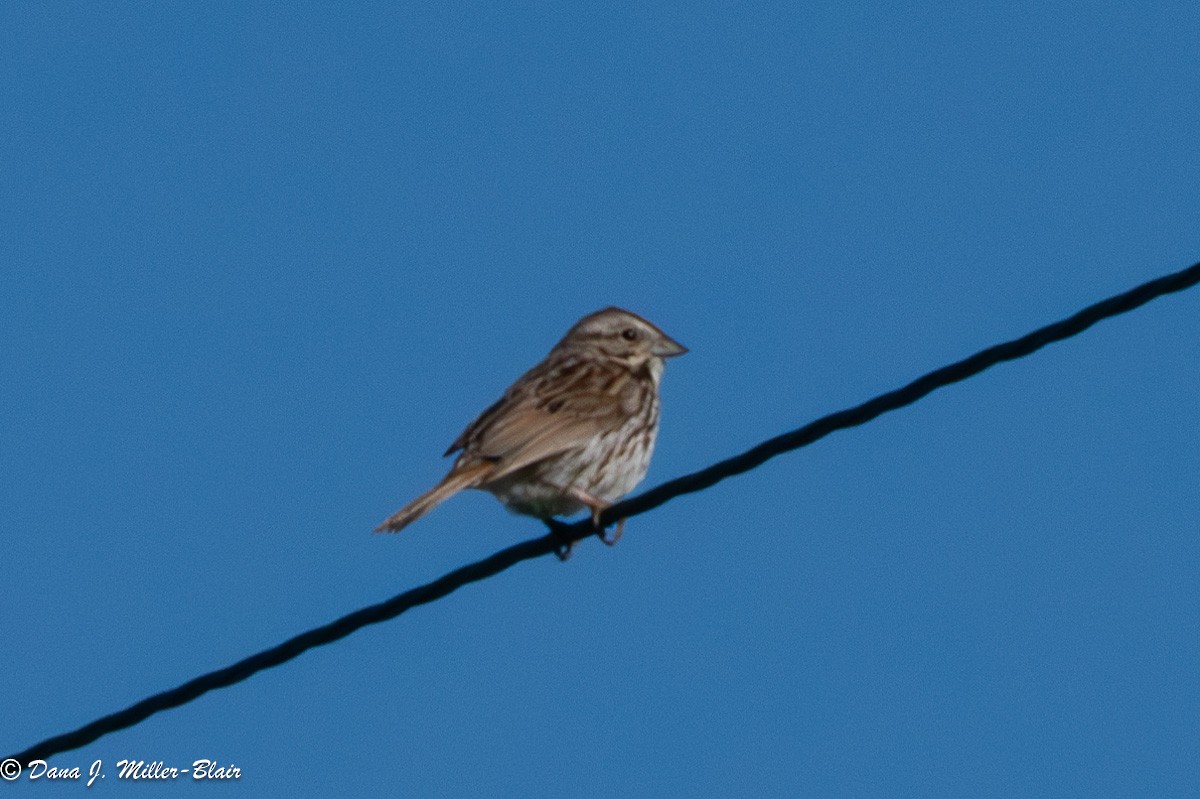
{"points": [[602, 534], [564, 543]]}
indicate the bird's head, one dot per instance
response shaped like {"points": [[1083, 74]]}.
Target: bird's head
{"points": [[622, 335]]}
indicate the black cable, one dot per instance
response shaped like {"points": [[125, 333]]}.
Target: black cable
{"points": [[697, 481], [917, 389]]}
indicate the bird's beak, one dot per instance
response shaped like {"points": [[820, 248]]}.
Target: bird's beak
{"points": [[667, 347]]}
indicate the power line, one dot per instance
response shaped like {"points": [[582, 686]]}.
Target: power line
{"points": [[560, 533]]}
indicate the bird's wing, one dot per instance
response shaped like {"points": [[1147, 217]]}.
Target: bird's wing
{"points": [[527, 437], [525, 427]]}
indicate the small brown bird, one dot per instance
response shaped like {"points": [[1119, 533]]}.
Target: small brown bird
{"points": [[575, 431]]}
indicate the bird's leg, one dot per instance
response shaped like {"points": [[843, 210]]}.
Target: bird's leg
{"points": [[597, 507], [616, 536], [565, 542]]}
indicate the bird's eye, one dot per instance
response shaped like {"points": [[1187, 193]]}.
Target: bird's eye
{"points": [[629, 334]]}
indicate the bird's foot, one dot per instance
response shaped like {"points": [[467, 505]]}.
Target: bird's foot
{"points": [[565, 544], [601, 533], [597, 507], [616, 536]]}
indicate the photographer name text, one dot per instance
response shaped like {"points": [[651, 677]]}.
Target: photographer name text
{"points": [[140, 770]]}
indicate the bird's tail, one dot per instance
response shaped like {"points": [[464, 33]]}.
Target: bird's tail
{"points": [[451, 484]]}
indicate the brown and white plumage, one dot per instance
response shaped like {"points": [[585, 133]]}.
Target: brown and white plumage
{"points": [[575, 431]]}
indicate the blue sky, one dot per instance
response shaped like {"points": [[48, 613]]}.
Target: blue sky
{"points": [[262, 264]]}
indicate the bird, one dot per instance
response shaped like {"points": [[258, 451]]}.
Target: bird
{"points": [[576, 431]]}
